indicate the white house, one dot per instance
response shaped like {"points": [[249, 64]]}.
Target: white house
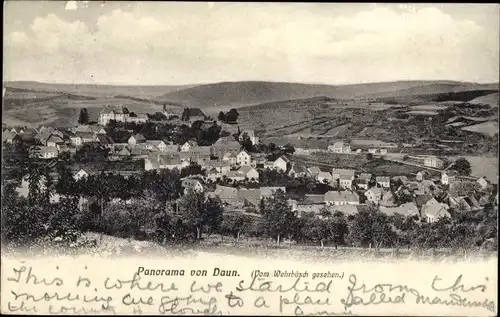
{"points": [[483, 182], [384, 181], [341, 198], [156, 145], [186, 147], [47, 152], [340, 147], [250, 173], [324, 177], [282, 163], [432, 161], [193, 184], [243, 158], [229, 158], [374, 194], [345, 177], [119, 114], [448, 177], [433, 211], [136, 139], [80, 174], [76, 140]]}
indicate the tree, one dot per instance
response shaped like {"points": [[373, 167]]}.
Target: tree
{"points": [[222, 116], [246, 143], [236, 224], [462, 166], [288, 149], [83, 118], [191, 208], [192, 169], [278, 216], [369, 156], [232, 116], [185, 114]]}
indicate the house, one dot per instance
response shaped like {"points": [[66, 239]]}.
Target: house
{"points": [[225, 145], [47, 152], [463, 203], [229, 158], [163, 161], [188, 146], [87, 137], [171, 148], [235, 176], [43, 137], [119, 114], [483, 182], [250, 173], [243, 158], [383, 151], [138, 119], [297, 170], [314, 171], [76, 140], [421, 200], [136, 139], [251, 134], [55, 140], [407, 210], [258, 160], [106, 141], [158, 145], [362, 183], [433, 161], [420, 176], [228, 195], [365, 176], [324, 177], [346, 210], [307, 206], [344, 177], [194, 114], [282, 164], [340, 147], [341, 198], [80, 175], [246, 197], [433, 210], [123, 152], [214, 174], [425, 187], [193, 184], [374, 194], [448, 177], [384, 181]]}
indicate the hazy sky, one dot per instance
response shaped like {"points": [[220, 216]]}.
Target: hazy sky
{"points": [[184, 43]]}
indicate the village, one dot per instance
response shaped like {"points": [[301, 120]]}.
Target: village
{"points": [[230, 170]]}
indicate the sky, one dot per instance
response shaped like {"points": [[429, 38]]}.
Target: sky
{"points": [[174, 43]]}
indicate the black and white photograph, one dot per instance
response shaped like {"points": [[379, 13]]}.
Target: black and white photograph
{"points": [[246, 133]]}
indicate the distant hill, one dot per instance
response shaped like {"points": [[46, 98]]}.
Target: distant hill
{"points": [[245, 93], [96, 90]]}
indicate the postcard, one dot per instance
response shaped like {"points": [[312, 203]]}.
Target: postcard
{"points": [[264, 159]]}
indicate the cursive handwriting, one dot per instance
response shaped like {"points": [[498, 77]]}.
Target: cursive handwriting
{"points": [[457, 286], [268, 286], [381, 294]]}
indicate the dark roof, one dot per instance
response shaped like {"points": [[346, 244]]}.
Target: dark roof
{"points": [[196, 112]]}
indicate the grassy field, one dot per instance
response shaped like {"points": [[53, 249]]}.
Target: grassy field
{"points": [[489, 128], [112, 247]]}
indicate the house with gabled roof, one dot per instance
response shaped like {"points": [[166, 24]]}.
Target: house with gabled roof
{"points": [[314, 171], [483, 182], [340, 147], [48, 152], [433, 210], [282, 164], [267, 191], [136, 139], [345, 197], [243, 158], [188, 146], [324, 177], [421, 175], [229, 158], [297, 170], [250, 173], [449, 176], [80, 175], [407, 210], [384, 181], [156, 144], [374, 194], [225, 145]]}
